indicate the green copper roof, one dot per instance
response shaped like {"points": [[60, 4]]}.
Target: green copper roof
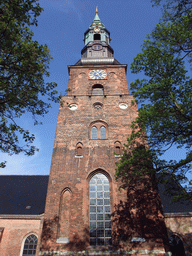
{"points": [[97, 27], [97, 20]]}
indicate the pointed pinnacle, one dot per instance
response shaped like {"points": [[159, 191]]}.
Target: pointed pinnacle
{"points": [[96, 10]]}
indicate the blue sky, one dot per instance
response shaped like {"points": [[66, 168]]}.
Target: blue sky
{"points": [[61, 26]]}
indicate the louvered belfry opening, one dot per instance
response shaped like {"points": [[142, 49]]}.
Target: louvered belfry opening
{"points": [[97, 89]]}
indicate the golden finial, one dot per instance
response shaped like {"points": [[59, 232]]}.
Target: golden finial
{"points": [[96, 10]]}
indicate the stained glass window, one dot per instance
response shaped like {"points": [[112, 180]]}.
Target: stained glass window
{"points": [[30, 245], [100, 210]]}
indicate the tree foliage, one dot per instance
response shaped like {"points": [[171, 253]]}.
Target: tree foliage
{"points": [[23, 65], [136, 161], [165, 92]]}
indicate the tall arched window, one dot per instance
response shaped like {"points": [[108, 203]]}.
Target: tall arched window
{"points": [[100, 211], [94, 133], [30, 245], [64, 216], [177, 247], [103, 133]]}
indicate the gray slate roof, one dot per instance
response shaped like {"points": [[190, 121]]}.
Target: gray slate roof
{"points": [[180, 206], [79, 63], [23, 195], [26, 195]]}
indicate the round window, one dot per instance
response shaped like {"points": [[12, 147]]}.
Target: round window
{"points": [[123, 105], [97, 105], [72, 107]]}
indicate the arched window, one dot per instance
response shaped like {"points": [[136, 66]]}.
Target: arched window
{"points": [[64, 216], [94, 133], [97, 105], [30, 245], [177, 247], [97, 89], [117, 148], [103, 133], [98, 130], [79, 149], [97, 37], [100, 211]]}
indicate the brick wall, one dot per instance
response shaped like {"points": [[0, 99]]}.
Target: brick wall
{"points": [[72, 173], [181, 225], [16, 229]]}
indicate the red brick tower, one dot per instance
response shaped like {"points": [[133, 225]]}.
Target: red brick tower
{"points": [[94, 122]]}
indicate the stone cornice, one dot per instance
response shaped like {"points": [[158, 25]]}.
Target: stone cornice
{"points": [[108, 252], [98, 66], [18, 216], [178, 214]]}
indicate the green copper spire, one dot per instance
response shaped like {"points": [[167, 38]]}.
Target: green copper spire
{"points": [[97, 39], [97, 31], [97, 21]]}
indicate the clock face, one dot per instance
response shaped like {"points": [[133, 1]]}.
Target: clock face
{"points": [[97, 74]]}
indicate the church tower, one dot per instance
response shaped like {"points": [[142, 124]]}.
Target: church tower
{"points": [[93, 124]]}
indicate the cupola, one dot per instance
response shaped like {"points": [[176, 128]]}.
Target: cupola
{"points": [[97, 31], [97, 49]]}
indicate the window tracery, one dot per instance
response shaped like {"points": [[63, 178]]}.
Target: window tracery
{"points": [[97, 105], [30, 245]]}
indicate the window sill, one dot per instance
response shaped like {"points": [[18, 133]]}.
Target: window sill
{"points": [[62, 240], [78, 156], [98, 139]]}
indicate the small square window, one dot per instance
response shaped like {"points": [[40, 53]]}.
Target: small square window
{"points": [[100, 217], [92, 209], [92, 216], [99, 201], [92, 201]]}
